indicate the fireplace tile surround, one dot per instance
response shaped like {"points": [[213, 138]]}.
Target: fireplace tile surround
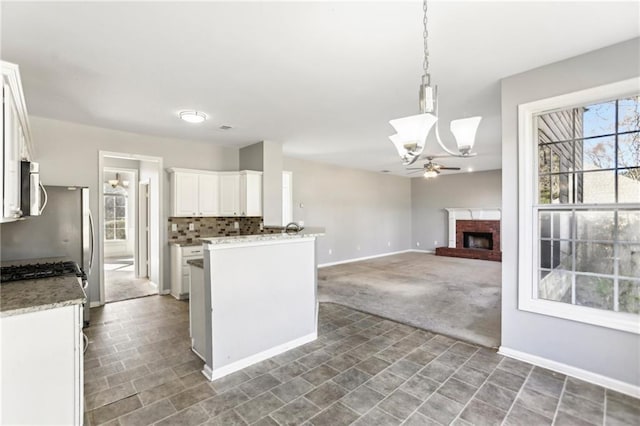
{"points": [[474, 220]]}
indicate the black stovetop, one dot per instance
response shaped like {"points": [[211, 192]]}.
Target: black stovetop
{"points": [[39, 270]]}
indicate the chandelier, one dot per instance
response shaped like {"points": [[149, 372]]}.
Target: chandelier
{"points": [[118, 182], [411, 132]]}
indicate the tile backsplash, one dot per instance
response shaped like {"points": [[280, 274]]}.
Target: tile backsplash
{"points": [[215, 227]]}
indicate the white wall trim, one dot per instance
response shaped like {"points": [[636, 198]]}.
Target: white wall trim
{"points": [[358, 259], [587, 376], [216, 373], [161, 231]]}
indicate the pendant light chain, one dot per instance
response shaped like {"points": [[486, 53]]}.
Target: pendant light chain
{"points": [[425, 35]]}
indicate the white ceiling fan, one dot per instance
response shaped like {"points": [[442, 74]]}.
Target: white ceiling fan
{"points": [[431, 169]]}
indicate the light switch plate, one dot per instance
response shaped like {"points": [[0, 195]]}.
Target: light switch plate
{"points": [[174, 227], [192, 227]]}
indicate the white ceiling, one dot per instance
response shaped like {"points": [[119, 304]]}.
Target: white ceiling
{"points": [[322, 78]]}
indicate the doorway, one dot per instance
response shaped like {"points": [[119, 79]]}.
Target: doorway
{"points": [[129, 226]]}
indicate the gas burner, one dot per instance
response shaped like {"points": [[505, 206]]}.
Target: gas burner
{"points": [[39, 270]]}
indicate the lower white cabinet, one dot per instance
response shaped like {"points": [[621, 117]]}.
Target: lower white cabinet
{"points": [[42, 367], [180, 269]]}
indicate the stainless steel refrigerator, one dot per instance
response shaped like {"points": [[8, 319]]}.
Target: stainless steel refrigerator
{"points": [[64, 229]]}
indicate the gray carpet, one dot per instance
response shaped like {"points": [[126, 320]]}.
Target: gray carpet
{"points": [[451, 296]]}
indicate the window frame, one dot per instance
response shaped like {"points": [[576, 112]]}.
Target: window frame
{"points": [[528, 238], [126, 218]]}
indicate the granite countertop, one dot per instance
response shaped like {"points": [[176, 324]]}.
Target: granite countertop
{"points": [[235, 239], [186, 243], [198, 263], [20, 297]]}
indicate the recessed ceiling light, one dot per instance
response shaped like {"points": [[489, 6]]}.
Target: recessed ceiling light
{"points": [[193, 116], [469, 169], [225, 127], [385, 171]]}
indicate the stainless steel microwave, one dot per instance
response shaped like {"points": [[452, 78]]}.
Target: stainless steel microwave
{"points": [[31, 201]]}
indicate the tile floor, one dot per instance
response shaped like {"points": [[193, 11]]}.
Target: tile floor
{"points": [[362, 370]]}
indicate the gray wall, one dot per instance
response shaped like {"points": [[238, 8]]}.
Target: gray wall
{"points": [[251, 157], [611, 353], [68, 155], [266, 156], [361, 209], [431, 196]]}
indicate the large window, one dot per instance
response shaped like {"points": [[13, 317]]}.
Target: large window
{"points": [[581, 207], [115, 212]]}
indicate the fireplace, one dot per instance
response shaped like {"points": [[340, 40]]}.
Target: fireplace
{"points": [[478, 240], [474, 234]]}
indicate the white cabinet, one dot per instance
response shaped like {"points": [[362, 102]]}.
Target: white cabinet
{"points": [[208, 199], [250, 193], [194, 193], [230, 194], [180, 269], [241, 193], [209, 193], [41, 363], [16, 140]]}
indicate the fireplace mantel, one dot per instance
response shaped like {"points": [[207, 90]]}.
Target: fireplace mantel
{"points": [[468, 213]]}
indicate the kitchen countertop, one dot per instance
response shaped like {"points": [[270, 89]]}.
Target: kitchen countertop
{"points": [[198, 263], [186, 243], [235, 239], [20, 297]]}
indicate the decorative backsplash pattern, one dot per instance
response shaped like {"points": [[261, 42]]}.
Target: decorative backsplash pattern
{"points": [[215, 227]]}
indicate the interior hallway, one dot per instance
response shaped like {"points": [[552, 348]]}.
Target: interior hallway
{"points": [[121, 282]]}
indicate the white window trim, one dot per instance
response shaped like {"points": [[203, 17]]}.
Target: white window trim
{"points": [[527, 234]]}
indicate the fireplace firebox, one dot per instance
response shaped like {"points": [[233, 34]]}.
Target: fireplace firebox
{"points": [[478, 240]]}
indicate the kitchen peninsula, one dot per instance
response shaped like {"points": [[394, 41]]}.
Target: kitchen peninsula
{"points": [[257, 296]]}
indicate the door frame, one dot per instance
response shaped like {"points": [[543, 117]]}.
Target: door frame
{"points": [[161, 232], [143, 230]]}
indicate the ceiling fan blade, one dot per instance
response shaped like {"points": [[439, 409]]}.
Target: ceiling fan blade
{"points": [[449, 168]]}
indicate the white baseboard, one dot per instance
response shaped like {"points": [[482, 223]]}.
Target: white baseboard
{"points": [[357, 259], [216, 373], [587, 376]]}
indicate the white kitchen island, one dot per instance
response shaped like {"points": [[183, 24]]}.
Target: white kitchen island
{"points": [[259, 298]]}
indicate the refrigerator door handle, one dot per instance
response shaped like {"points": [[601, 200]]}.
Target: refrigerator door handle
{"points": [[46, 197], [92, 242]]}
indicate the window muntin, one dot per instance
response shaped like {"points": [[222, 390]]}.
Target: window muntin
{"points": [[588, 190], [115, 211]]}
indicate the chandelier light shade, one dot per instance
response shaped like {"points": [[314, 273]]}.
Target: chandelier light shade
{"points": [[412, 131], [411, 135], [464, 130], [118, 182], [430, 174]]}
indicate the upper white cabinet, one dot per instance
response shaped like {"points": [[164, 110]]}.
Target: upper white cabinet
{"points": [[16, 140], [194, 193], [230, 194], [250, 193], [208, 193]]}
